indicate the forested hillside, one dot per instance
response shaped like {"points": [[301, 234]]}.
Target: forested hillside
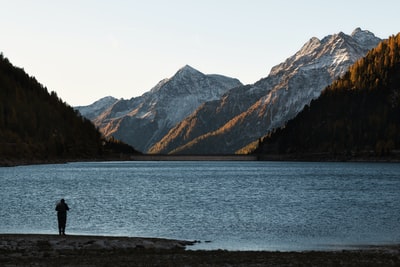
{"points": [[357, 116], [37, 126]]}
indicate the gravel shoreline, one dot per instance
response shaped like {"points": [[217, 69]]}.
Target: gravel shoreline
{"points": [[84, 251]]}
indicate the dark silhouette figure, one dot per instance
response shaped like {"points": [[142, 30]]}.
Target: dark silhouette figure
{"points": [[62, 209]]}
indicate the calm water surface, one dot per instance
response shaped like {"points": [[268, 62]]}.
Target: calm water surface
{"points": [[235, 205]]}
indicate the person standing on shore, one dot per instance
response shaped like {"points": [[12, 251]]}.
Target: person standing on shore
{"points": [[62, 209]]}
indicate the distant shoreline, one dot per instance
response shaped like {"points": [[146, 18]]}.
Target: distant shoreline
{"points": [[312, 157], [150, 157], [144, 157], [71, 250]]}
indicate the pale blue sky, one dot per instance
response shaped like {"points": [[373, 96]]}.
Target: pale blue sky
{"points": [[88, 49]]}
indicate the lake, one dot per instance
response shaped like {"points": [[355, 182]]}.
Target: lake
{"points": [[227, 205]]}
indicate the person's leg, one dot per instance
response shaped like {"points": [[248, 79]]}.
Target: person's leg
{"points": [[63, 223], [59, 219]]}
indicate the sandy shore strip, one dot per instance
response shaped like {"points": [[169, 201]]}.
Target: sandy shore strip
{"points": [[84, 251]]}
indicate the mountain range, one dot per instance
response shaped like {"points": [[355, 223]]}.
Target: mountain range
{"points": [[195, 113]]}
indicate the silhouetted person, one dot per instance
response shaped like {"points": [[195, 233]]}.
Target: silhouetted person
{"points": [[62, 209]]}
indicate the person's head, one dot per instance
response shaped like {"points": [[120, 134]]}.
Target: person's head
{"points": [[62, 200]]}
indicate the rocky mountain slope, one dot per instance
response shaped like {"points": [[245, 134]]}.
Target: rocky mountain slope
{"points": [[144, 120], [357, 117], [97, 108], [246, 113]]}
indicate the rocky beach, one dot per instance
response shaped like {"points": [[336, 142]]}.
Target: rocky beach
{"points": [[85, 251]]}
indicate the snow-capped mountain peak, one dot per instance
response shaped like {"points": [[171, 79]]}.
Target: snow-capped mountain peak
{"points": [[183, 75], [188, 71], [364, 37], [144, 120], [309, 47], [330, 51]]}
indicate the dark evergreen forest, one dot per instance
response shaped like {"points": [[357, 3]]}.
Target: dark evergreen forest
{"points": [[36, 125], [357, 116]]}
